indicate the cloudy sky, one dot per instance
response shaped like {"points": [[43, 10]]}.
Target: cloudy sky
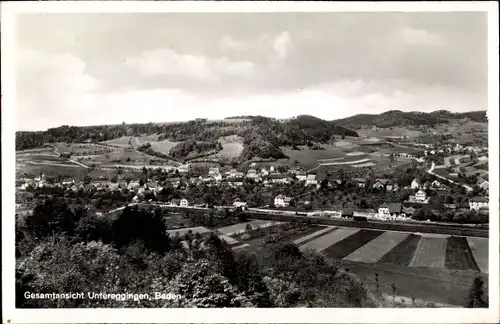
{"points": [[89, 69]]}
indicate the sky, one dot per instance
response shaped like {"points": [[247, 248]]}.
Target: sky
{"points": [[93, 69]]}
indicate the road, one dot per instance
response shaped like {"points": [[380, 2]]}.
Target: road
{"points": [[431, 171]]}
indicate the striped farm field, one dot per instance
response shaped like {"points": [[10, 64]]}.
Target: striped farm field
{"points": [[121, 141], [402, 254], [325, 241], [314, 235], [430, 253], [351, 243], [479, 248], [459, 255], [374, 250]]}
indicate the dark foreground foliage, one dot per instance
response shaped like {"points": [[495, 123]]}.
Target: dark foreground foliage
{"points": [[69, 249]]}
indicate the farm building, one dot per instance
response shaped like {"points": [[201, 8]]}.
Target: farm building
{"points": [[282, 201], [301, 175], [478, 202], [311, 180], [390, 210]]}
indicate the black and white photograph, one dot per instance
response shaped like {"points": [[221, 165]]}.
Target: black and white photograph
{"points": [[251, 159]]}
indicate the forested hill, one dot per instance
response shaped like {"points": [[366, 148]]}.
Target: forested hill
{"points": [[397, 118], [262, 136]]}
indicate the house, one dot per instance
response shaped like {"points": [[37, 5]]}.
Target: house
{"points": [[133, 185], [264, 172], [183, 202], [271, 168], [231, 173], [390, 210], [282, 201], [311, 180], [435, 184], [415, 184], [212, 171], [240, 205], [478, 202], [361, 182]]}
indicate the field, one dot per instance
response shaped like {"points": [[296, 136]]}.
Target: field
{"points": [[373, 251], [387, 132], [193, 230], [119, 157], [232, 146], [440, 271], [402, 254], [459, 255], [312, 236], [479, 248], [121, 142], [325, 241], [350, 244], [430, 253], [40, 160], [163, 146], [241, 227]]}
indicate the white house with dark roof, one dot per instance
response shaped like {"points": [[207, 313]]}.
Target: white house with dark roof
{"points": [[183, 202], [415, 184]]}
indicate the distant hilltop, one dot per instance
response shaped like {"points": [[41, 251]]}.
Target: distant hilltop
{"points": [[397, 118]]}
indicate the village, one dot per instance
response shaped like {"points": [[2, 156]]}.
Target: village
{"points": [[401, 199]]}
